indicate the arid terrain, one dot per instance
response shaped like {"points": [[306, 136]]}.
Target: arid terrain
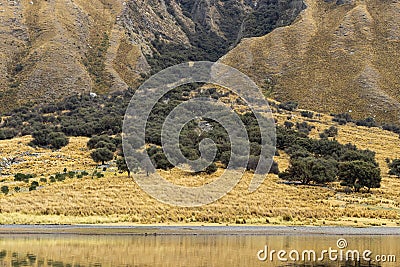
{"points": [[115, 198]]}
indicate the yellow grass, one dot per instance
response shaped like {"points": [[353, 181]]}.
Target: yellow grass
{"points": [[333, 58], [118, 199]]}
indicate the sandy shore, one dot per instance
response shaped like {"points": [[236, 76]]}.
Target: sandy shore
{"points": [[193, 230]]}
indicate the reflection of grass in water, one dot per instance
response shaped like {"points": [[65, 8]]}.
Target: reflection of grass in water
{"points": [[30, 259]]}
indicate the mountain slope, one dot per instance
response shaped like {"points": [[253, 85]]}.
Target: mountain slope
{"points": [[338, 56], [51, 49]]}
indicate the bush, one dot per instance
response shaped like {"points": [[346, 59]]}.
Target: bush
{"points": [[330, 132], [122, 166], [102, 141], [368, 122], [211, 168], [274, 168], [33, 186], [20, 177], [304, 127], [102, 155], [45, 137], [363, 155], [58, 140], [252, 162], [160, 161], [288, 124], [290, 105], [8, 133], [392, 128], [307, 114], [5, 189], [394, 167], [358, 174], [60, 176], [310, 169], [342, 118], [99, 174]]}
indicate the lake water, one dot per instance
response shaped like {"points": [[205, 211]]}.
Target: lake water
{"points": [[192, 246]]}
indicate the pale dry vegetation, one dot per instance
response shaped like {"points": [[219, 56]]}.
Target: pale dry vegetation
{"points": [[117, 198], [333, 58]]}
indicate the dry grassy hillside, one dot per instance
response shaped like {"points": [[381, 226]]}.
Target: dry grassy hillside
{"points": [[116, 198], [51, 49], [333, 58]]}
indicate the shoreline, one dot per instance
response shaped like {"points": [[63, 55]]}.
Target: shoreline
{"points": [[187, 229]]}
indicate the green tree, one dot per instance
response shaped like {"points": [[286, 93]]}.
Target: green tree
{"points": [[147, 166], [122, 166], [358, 174], [33, 186], [5, 189], [109, 146], [57, 140], [211, 168], [394, 167], [160, 161], [102, 155], [41, 137], [46, 137], [95, 140], [310, 169], [330, 132]]}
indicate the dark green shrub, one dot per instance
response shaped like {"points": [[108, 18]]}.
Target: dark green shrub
{"points": [[46, 137], [330, 132], [58, 140], [394, 167], [288, 124], [368, 122], [102, 155], [122, 166], [160, 161], [211, 168], [60, 176], [20, 177], [307, 114], [274, 168], [310, 169], [5, 189], [358, 174], [290, 105], [392, 128], [342, 118], [33, 186], [304, 127]]}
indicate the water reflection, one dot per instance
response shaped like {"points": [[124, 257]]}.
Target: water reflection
{"points": [[175, 250]]}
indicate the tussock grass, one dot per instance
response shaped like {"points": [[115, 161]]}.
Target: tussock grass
{"points": [[118, 199]]}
